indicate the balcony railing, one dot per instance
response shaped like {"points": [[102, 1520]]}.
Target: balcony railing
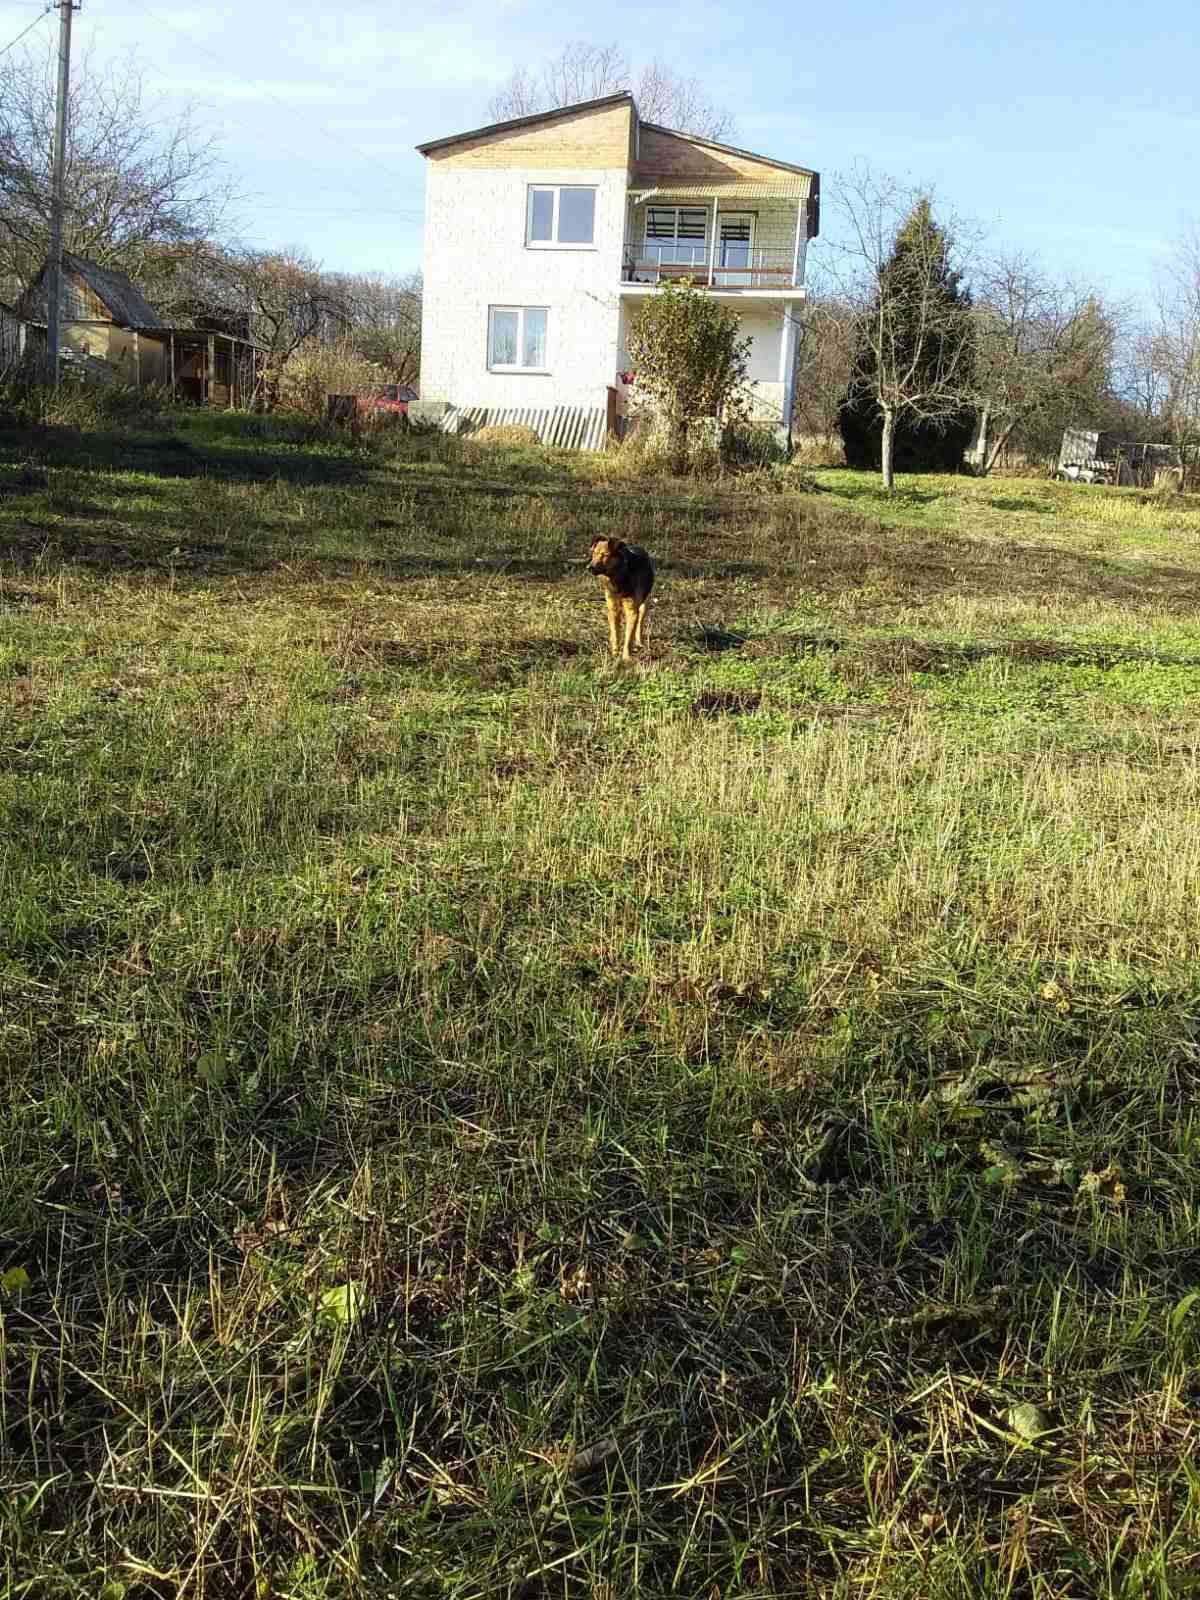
{"points": [[733, 265]]}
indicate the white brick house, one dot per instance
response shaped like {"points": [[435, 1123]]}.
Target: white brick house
{"points": [[542, 235]]}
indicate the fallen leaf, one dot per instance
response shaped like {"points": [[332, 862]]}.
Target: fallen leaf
{"points": [[592, 1456], [1103, 1185], [1027, 1420], [940, 1314]]}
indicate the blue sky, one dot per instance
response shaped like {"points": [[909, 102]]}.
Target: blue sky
{"points": [[1069, 130]]}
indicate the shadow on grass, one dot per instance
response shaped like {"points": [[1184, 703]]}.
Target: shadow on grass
{"points": [[449, 516], [877, 494], [1016, 503], [170, 454]]}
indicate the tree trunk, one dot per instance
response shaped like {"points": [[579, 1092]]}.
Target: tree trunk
{"points": [[978, 451], [997, 450], [889, 439], [679, 444]]}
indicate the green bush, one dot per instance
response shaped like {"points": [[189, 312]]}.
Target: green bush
{"points": [[748, 446]]}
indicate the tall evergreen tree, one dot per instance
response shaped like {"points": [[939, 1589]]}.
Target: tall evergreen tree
{"points": [[908, 404]]}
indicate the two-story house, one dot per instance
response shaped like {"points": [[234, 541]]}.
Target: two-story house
{"points": [[543, 234]]}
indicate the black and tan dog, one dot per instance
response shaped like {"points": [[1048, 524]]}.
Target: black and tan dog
{"points": [[627, 573]]}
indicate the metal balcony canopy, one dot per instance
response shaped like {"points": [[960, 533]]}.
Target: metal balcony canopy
{"points": [[787, 186]]}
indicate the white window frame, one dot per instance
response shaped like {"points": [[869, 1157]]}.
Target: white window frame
{"points": [[675, 241], [677, 211], [556, 189], [516, 367]]}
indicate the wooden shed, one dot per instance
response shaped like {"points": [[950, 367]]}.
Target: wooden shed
{"points": [[112, 329]]}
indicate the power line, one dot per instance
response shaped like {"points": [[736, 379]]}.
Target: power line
{"points": [[339, 140], [45, 13], [338, 211]]}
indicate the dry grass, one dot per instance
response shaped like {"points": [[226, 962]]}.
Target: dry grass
{"points": [[482, 1121], [510, 433]]}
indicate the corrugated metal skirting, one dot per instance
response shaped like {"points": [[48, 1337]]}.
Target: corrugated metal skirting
{"points": [[567, 427]]}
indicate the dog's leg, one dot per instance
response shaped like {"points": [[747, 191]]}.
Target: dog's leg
{"points": [[610, 603], [639, 636], [629, 607]]}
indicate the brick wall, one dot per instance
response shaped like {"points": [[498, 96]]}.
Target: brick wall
{"points": [[476, 257]]}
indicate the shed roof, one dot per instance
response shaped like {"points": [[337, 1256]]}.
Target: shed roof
{"points": [[126, 304], [116, 289]]}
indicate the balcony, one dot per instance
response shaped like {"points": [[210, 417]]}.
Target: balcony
{"points": [[734, 266]]}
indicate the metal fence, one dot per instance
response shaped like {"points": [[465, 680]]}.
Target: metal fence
{"points": [[733, 266], [567, 427]]}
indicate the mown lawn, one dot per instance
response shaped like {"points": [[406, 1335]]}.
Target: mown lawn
{"points": [[480, 1121]]}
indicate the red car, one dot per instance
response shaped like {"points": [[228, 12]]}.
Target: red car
{"points": [[393, 399]]}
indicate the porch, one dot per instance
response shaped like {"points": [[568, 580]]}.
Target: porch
{"points": [[205, 368], [734, 239], [772, 327]]}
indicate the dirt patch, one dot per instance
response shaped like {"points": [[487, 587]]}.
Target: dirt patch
{"points": [[501, 662], [14, 598], [900, 656], [725, 703]]}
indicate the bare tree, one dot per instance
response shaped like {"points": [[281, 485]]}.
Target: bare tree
{"points": [[1043, 355], [288, 302], [1143, 373], [583, 71], [900, 273], [385, 322], [135, 182], [1170, 348], [824, 360]]}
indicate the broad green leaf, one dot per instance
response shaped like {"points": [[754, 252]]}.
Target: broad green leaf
{"points": [[343, 1303], [1179, 1315], [1027, 1420]]}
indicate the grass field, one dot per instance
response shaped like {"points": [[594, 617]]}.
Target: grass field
{"points": [[480, 1121]]}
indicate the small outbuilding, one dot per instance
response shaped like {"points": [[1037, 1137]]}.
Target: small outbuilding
{"points": [[112, 332]]}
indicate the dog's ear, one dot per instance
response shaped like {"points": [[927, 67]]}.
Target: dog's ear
{"points": [[617, 546]]}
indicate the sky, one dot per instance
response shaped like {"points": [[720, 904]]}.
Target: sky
{"points": [[1069, 131]]}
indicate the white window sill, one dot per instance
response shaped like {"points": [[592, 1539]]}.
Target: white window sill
{"points": [[546, 244], [522, 372]]}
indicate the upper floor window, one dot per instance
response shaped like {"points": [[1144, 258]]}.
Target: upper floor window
{"points": [[676, 234], [559, 216]]}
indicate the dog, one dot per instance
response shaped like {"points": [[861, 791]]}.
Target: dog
{"points": [[627, 574]]}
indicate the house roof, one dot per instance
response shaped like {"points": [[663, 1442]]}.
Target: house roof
{"points": [[623, 97], [723, 149], [716, 168]]}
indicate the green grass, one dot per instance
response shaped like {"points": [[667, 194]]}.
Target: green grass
{"points": [[485, 1122]]}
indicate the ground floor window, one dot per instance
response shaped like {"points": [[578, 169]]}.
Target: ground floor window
{"points": [[517, 338]]}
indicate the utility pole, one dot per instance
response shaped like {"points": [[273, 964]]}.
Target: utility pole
{"points": [[66, 9]]}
